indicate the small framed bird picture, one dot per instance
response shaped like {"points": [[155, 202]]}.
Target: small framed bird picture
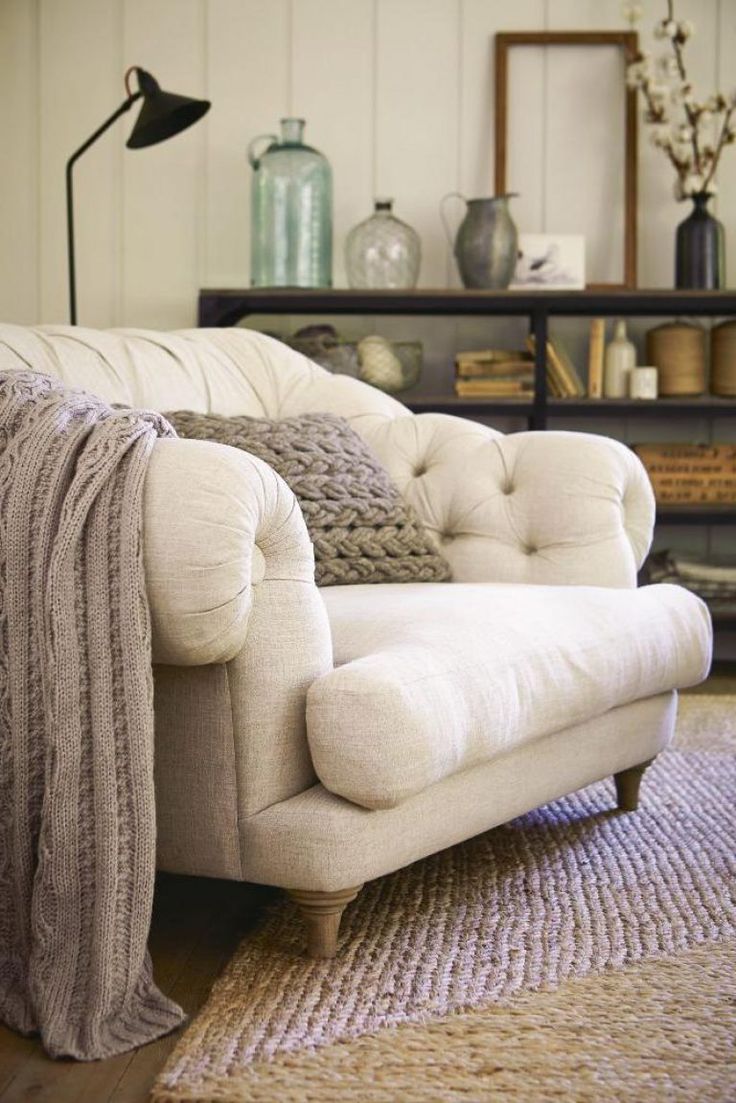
{"points": [[550, 262]]}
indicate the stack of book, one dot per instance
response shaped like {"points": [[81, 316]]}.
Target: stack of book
{"points": [[563, 380], [714, 580], [494, 373], [509, 373], [691, 474]]}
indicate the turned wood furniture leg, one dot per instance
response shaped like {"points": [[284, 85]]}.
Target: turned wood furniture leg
{"points": [[322, 912], [627, 786]]}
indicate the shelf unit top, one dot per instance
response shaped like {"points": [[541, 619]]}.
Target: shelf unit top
{"points": [[644, 301], [692, 406]]}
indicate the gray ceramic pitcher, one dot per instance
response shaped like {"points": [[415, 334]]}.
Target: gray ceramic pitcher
{"points": [[486, 243]]}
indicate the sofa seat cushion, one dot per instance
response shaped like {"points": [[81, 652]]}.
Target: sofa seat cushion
{"points": [[433, 679]]}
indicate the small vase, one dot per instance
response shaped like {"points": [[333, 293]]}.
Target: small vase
{"points": [[382, 251], [619, 362], [700, 249], [486, 244]]}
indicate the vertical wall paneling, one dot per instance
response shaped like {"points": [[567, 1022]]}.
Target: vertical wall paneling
{"points": [[480, 23], [417, 82], [725, 81], [584, 162], [80, 84], [417, 117], [248, 82], [164, 184], [658, 212], [338, 107], [19, 270], [397, 92]]}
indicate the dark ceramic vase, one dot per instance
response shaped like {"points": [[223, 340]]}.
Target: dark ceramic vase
{"points": [[700, 248]]}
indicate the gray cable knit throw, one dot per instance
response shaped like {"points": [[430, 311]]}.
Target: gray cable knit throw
{"points": [[77, 821], [361, 527]]}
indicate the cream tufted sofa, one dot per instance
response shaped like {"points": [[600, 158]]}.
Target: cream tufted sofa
{"points": [[316, 739]]}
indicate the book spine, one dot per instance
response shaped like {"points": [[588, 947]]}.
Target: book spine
{"points": [[486, 387], [702, 471], [595, 357], [567, 387], [496, 356], [573, 381], [687, 453], [492, 369], [671, 496], [554, 386], [728, 484]]}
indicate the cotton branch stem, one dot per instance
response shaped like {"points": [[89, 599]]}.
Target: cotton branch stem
{"points": [[723, 137], [691, 116]]}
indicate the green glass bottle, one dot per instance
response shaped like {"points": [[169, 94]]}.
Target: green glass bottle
{"points": [[291, 211]]}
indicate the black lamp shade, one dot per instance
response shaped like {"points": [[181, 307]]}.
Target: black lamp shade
{"points": [[162, 114]]}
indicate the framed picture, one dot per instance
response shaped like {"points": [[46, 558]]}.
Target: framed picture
{"points": [[550, 262], [566, 141]]}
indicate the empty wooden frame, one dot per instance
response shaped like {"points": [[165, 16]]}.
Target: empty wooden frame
{"points": [[626, 41]]}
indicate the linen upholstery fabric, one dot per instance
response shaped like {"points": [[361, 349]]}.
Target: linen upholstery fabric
{"points": [[320, 841], [77, 821], [554, 507], [218, 524], [437, 679], [361, 528], [551, 508]]}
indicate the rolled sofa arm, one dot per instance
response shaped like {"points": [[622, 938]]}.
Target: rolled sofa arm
{"points": [[557, 508], [217, 522]]}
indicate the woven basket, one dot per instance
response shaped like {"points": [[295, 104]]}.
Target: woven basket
{"points": [[678, 350], [723, 359]]}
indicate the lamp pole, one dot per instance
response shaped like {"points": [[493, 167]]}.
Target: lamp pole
{"points": [[162, 115], [125, 106]]}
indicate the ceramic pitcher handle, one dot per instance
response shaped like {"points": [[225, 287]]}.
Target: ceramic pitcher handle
{"points": [[254, 160], [443, 216]]}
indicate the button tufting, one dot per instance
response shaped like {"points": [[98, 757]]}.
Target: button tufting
{"points": [[530, 549], [508, 489], [447, 537], [419, 471]]}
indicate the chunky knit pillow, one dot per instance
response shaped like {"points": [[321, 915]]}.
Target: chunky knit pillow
{"points": [[361, 528]]}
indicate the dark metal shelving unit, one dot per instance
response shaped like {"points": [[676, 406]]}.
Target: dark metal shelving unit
{"points": [[706, 406], [225, 307]]}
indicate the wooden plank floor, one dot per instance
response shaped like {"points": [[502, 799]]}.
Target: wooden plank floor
{"points": [[197, 924]]}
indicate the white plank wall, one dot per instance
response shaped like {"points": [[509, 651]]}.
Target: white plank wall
{"points": [[397, 93]]}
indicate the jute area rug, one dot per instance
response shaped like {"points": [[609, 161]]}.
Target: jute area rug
{"points": [[575, 954]]}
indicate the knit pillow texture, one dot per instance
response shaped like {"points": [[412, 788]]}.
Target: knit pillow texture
{"points": [[361, 527]]}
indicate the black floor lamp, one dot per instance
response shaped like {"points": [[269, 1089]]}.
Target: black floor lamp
{"points": [[162, 115]]}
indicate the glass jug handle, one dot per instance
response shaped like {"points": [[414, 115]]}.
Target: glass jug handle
{"points": [[443, 216], [254, 160]]}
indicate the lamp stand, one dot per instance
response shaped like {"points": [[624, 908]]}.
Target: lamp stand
{"points": [[125, 106]]}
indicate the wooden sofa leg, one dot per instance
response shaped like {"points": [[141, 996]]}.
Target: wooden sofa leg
{"points": [[322, 912], [627, 786]]}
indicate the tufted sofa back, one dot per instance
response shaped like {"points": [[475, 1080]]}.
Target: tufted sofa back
{"points": [[502, 508]]}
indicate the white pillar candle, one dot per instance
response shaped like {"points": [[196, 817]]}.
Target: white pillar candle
{"points": [[643, 383]]}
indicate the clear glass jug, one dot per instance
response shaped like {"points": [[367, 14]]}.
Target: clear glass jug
{"points": [[382, 251], [291, 211]]}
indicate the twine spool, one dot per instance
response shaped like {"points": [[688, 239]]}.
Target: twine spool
{"points": [[723, 359], [678, 350]]}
